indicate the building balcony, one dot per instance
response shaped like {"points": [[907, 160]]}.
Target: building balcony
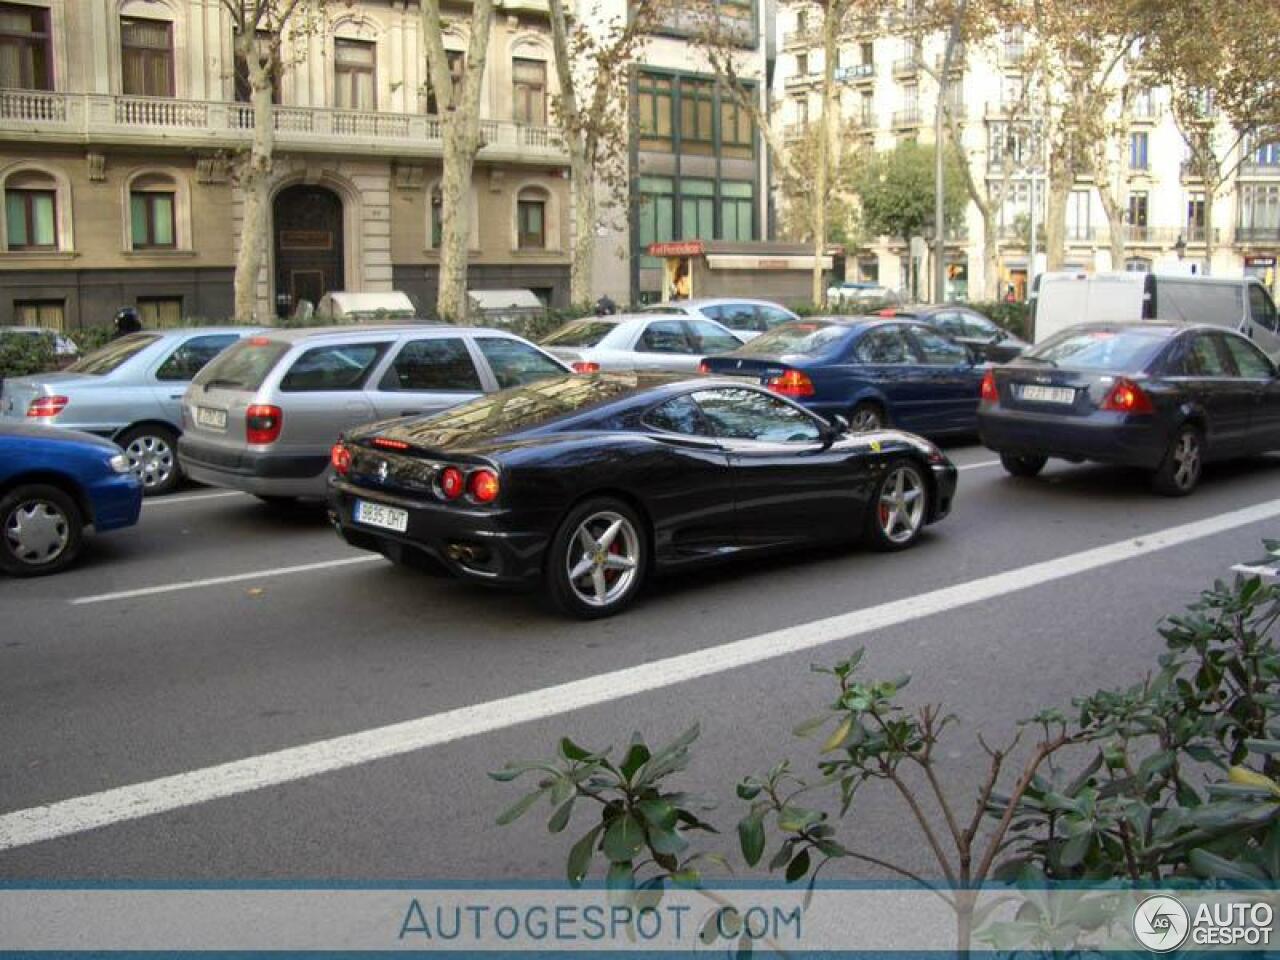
{"points": [[1264, 235], [801, 38], [1198, 235], [857, 73], [1263, 170], [906, 66], [798, 80], [154, 121], [911, 117]]}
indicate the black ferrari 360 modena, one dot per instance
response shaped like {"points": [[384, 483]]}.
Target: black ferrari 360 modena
{"points": [[589, 483]]}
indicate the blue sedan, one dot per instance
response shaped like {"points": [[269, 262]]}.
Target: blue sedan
{"points": [[53, 484], [873, 372]]}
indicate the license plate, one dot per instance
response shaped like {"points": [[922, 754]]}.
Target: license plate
{"points": [[1047, 394], [377, 515], [213, 419]]}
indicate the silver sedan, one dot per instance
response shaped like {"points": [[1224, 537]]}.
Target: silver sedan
{"points": [[640, 342]]}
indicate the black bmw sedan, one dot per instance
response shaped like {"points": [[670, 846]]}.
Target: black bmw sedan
{"points": [[587, 484], [1163, 397]]}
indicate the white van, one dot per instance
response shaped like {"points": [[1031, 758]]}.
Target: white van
{"points": [[1061, 299]]}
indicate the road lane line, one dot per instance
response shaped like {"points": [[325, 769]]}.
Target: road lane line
{"points": [[78, 814], [218, 581], [979, 466], [190, 498]]}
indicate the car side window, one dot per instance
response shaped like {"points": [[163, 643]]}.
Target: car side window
{"points": [[937, 350], [737, 414], [339, 367], [976, 326], [1261, 309], [715, 311], [514, 363], [440, 363], [708, 338], [950, 323], [185, 362], [741, 316], [1202, 359], [664, 336], [680, 415], [884, 345], [1251, 362]]}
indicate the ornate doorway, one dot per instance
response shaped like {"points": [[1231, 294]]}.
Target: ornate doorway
{"points": [[308, 243]]}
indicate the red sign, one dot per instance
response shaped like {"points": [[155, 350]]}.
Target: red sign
{"points": [[684, 248]]}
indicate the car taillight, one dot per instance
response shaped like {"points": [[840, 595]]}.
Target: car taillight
{"points": [[1127, 397], [989, 392], [340, 457], [586, 366], [451, 483], [792, 383], [387, 443], [46, 406], [704, 367], [484, 486], [262, 424]]}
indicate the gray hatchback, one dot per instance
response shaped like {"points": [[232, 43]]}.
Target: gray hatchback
{"points": [[263, 416]]}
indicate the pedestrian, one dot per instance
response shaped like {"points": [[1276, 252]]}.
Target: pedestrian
{"points": [[605, 307], [126, 322]]}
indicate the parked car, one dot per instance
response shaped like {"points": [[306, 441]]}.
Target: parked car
{"points": [[263, 416], [746, 318], [861, 293], [968, 328], [1163, 397], [639, 342], [873, 371], [586, 484], [1063, 299], [129, 391], [53, 484]]}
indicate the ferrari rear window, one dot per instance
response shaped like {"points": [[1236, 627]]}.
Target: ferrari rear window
{"points": [[802, 337], [1123, 350]]}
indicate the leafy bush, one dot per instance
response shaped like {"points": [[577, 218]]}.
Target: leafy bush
{"points": [[1014, 317], [1134, 812], [24, 353]]}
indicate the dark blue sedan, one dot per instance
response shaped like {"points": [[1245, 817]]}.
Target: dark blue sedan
{"points": [[873, 372], [53, 484]]}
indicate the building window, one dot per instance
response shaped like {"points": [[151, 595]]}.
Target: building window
{"points": [[1260, 211], [868, 53], [1267, 155], [31, 220], [802, 64], [243, 92], [531, 220], [656, 214], [737, 135], [146, 57], [25, 58], [158, 313], [437, 218], [1078, 214], [697, 209], [1138, 213], [48, 314], [802, 111], [353, 75], [1138, 143], [737, 210], [457, 61], [867, 109], [696, 110], [529, 79], [151, 218], [654, 101], [1195, 219]]}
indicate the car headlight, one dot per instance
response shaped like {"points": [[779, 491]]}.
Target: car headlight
{"points": [[119, 463]]}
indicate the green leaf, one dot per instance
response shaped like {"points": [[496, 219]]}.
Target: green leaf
{"points": [[1156, 764], [580, 856], [513, 770], [797, 819], [810, 726], [621, 876], [783, 855], [798, 866], [657, 812], [838, 736], [571, 751], [637, 755], [664, 841], [519, 808], [1072, 852], [560, 819], [1217, 868], [751, 837], [624, 839]]}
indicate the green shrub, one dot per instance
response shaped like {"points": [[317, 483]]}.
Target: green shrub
{"points": [[24, 353], [1014, 317]]}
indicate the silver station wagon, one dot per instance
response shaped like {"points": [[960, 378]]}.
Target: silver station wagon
{"points": [[263, 417], [640, 342], [130, 391]]}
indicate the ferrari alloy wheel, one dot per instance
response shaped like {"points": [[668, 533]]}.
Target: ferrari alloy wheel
{"points": [[899, 506], [597, 560]]}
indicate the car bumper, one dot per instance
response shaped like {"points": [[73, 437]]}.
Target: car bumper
{"points": [[116, 502], [944, 489], [263, 474], [1105, 440], [472, 544]]}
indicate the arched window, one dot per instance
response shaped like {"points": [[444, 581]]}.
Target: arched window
{"points": [[529, 91], [531, 219], [37, 210], [157, 212]]}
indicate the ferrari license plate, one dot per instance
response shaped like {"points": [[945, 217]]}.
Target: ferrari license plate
{"points": [[213, 419], [377, 515], [1047, 394]]}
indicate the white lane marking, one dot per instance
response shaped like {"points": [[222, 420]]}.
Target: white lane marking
{"points": [[1257, 568], [979, 466], [65, 817], [191, 498], [218, 581]]}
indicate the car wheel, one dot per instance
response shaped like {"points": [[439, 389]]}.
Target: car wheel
{"points": [[1180, 472], [41, 530], [898, 507], [597, 560], [153, 457], [1022, 464], [867, 416]]}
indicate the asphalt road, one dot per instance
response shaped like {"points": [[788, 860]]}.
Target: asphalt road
{"points": [[191, 642]]}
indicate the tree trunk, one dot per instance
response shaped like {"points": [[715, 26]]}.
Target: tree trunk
{"points": [[1115, 223], [827, 122], [1210, 244], [990, 255], [255, 184], [455, 226], [1061, 176], [582, 266]]}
